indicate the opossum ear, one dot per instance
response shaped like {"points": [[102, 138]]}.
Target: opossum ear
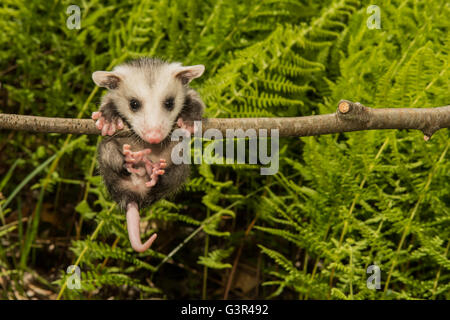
{"points": [[106, 79], [186, 74]]}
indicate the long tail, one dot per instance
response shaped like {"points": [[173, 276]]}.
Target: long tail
{"points": [[133, 229]]}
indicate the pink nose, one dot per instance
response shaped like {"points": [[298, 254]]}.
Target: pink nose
{"points": [[153, 136]]}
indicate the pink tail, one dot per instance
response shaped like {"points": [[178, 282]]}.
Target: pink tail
{"points": [[133, 229]]}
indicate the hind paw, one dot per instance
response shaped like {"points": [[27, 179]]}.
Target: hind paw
{"points": [[108, 126], [138, 163], [154, 170]]}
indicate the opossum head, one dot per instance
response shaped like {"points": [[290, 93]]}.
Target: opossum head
{"points": [[148, 94]]}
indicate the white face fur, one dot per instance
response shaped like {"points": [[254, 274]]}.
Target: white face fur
{"points": [[149, 94]]}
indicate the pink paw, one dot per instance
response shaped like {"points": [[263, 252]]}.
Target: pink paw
{"points": [[135, 161], [138, 163], [154, 170], [190, 129], [108, 127]]}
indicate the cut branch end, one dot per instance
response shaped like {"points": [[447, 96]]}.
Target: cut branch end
{"points": [[344, 107]]}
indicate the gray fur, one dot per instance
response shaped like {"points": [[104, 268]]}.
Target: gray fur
{"points": [[110, 157], [111, 164]]}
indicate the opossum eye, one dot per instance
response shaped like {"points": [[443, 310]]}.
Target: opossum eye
{"points": [[134, 105], [169, 103]]}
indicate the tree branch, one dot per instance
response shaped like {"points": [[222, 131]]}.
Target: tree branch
{"points": [[350, 116]]}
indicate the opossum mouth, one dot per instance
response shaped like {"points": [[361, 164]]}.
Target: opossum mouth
{"points": [[130, 132], [168, 137]]}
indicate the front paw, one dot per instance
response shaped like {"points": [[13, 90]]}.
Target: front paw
{"points": [[107, 126]]}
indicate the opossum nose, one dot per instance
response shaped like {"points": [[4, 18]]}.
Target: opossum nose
{"points": [[153, 136]]}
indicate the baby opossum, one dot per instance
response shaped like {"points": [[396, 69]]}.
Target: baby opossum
{"points": [[153, 98]]}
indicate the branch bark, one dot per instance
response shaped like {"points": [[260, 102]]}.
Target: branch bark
{"points": [[350, 116]]}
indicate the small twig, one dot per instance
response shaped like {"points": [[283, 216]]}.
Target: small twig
{"points": [[350, 116], [236, 259]]}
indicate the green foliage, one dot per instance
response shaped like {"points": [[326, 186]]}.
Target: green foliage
{"points": [[214, 258], [337, 205]]}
